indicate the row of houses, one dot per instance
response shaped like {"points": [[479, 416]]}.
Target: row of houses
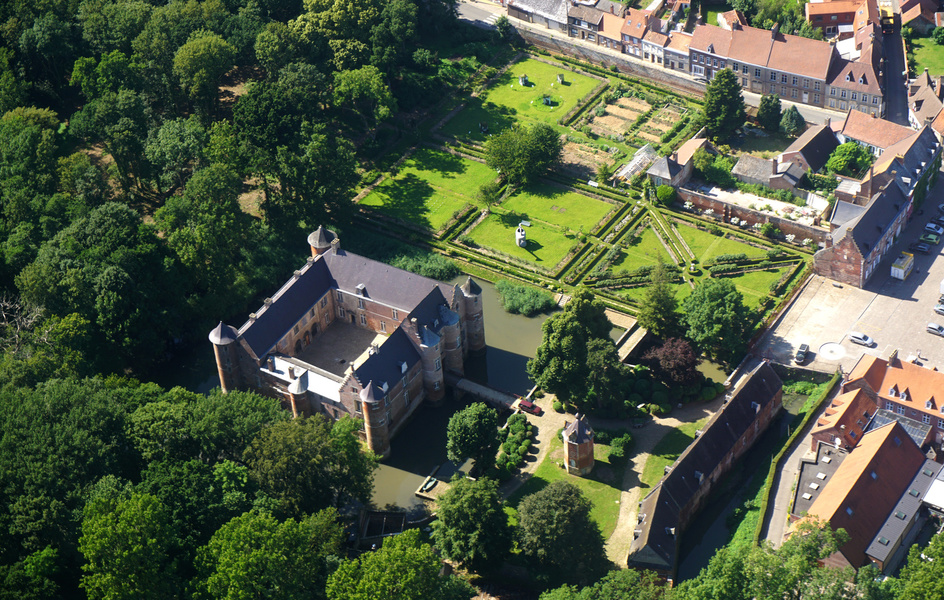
{"points": [[873, 467], [813, 72]]}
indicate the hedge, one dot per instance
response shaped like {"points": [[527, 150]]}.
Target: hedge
{"points": [[775, 465]]}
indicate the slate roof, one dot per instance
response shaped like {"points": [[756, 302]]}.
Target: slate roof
{"points": [[917, 430], [656, 538], [665, 167], [816, 144], [843, 213], [321, 238], [292, 300], [907, 160], [385, 365], [752, 167], [555, 10], [579, 431], [867, 486], [223, 334], [612, 8], [872, 223], [433, 312]]}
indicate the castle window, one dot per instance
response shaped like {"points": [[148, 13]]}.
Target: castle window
{"points": [[383, 326], [341, 311], [438, 364], [340, 296], [295, 330], [324, 301], [360, 303], [363, 320], [311, 313], [396, 315], [436, 386]]}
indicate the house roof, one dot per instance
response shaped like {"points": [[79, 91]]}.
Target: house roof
{"points": [[385, 365], [729, 18], [750, 45], [924, 98], [816, 144], [555, 10], [849, 414], [612, 25], [923, 387], [637, 22], [612, 8], [835, 7], [867, 13], [919, 10], [908, 505], [679, 42], [656, 540], [867, 486], [752, 167], [800, 56], [871, 224], [687, 150], [579, 431], [654, 37], [585, 13], [916, 429], [938, 123], [711, 40], [854, 75], [665, 168], [906, 161], [873, 131]]}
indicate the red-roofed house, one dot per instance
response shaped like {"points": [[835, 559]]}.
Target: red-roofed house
{"points": [[831, 16], [634, 29], [843, 422]]}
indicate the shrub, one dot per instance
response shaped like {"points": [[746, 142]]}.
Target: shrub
{"points": [[522, 299], [616, 454], [602, 437], [557, 406], [708, 393], [666, 194], [430, 265], [523, 448]]}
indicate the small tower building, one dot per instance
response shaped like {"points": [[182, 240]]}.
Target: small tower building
{"points": [[578, 446]]}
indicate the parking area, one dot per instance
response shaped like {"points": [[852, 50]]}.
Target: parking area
{"points": [[893, 313]]}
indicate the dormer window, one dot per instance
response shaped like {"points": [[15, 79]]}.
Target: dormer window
{"points": [[862, 79], [711, 48], [403, 367], [929, 404], [892, 392], [848, 76]]}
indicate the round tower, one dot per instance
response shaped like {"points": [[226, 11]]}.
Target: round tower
{"points": [[298, 395], [578, 446], [320, 240], [474, 316], [227, 363], [375, 420]]}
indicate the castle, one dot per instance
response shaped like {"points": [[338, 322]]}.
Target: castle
{"points": [[347, 335]]}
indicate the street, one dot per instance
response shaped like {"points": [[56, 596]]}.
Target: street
{"points": [[896, 94]]}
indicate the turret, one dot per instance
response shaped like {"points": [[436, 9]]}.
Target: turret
{"points": [[473, 322], [375, 419], [227, 364], [578, 446], [321, 240]]}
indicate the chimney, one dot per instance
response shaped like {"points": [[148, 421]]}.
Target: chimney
{"points": [[335, 245], [773, 166], [611, 10], [774, 31], [827, 122]]}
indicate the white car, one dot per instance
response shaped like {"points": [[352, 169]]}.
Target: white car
{"points": [[936, 329], [939, 309], [932, 228], [860, 338]]}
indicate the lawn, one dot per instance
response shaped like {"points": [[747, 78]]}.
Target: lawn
{"points": [[928, 55], [761, 144], [714, 11], [682, 291], [558, 206], [547, 245], [667, 450], [642, 251], [603, 496], [706, 245], [429, 188], [756, 284], [507, 101]]}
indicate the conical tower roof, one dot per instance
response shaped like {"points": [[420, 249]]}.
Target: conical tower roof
{"points": [[471, 288], [223, 335], [320, 238], [370, 394], [579, 431]]}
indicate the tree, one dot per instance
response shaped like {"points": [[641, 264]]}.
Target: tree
{"points": [[394, 38], [658, 311], [473, 433], [506, 31], [675, 360], [556, 531], [849, 159], [768, 113], [921, 578], [256, 556], [306, 465], [724, 105], [717, 319], [275, 47], [403, 569], [522, 153], [792, 122], [471, 526], [174, 148], [666, 195], [625, 584], [605, 377], [200, 63], [128, 544], [560, 363], [938, 35], [490, 193], [365, 92]]}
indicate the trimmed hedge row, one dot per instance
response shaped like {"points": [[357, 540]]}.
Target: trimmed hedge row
{"points": [[580, 107], [775, 465]]}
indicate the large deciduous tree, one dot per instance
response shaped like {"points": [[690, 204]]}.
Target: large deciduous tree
{"points": [[556, 531], [471, 527], [849, 159], [129, 545], [365, 92], [256, 556], [923, 575], [403, 569], [200, 63], [625, 584], [522, 154], [717, 319], [675, 360], [724, 105], [473, 433]]}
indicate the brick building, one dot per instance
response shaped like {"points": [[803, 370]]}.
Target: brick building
{"points": [[347, 335], [667, 510], [578, 446]]}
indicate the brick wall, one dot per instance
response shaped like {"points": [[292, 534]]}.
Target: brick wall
{"points": [[842, 262], [727, 210]]}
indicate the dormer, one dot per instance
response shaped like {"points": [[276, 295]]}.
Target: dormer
{"points": [[862, 79], [904, 395], [711, 48], [403, 367], [893, 391], [848, 76], [929, 404], [699, 476], [755, 406]]}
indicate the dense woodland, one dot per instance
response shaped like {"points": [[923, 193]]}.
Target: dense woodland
{"points": [[160, 165]]}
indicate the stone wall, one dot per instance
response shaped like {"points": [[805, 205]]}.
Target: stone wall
{"points": [[727, 210], [627, 65]]}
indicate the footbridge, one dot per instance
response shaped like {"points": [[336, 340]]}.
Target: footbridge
{"points": [[483, 392]]}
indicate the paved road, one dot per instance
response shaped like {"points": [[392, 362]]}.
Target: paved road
{"points": [[480, 14], [896, 94]]}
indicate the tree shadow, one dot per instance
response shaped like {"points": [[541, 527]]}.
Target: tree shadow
{"points": [[406, 198], [446, 164]]}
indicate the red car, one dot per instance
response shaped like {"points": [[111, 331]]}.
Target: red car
{"points": [[530, 407]]}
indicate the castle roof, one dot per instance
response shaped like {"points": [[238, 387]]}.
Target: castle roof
{"points": [[470, 287], [223, 334], [321, 238], [578, 432], [389, 362], [370, 394]]}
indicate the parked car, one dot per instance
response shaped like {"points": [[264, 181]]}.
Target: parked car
{"points": [[935, 229], [919, 247], [931, 238], [857, 337], [802, 351], [939, 221], [936, 329], [530, 407], [939, 309]]}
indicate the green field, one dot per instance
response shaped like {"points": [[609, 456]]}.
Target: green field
{"points": [[507, 101], [429, 188], [642, 251], [603, 496], [558, 206], [547, 245], [707, 246], [928, 55]]}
